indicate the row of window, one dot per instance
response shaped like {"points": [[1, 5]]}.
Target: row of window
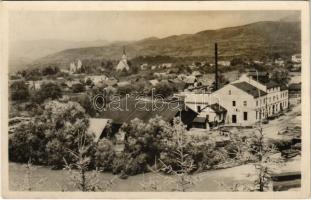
{"points": [[234, 103], [234, 117], [272, 109], [275, 89], [274, 98]]}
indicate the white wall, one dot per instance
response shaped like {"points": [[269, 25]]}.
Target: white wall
{"points": [[240, 97]]}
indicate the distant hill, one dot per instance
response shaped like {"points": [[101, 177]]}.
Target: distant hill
{"points": [[253, 40], [25, 52]]}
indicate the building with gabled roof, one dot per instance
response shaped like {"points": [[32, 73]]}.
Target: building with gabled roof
{"points": [[250, 89], [123, 65]]}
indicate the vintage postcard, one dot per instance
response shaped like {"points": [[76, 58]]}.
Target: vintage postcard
{"points": [[162, 100]]}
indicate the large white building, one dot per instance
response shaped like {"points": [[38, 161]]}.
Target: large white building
{"points": [[243, 102]]}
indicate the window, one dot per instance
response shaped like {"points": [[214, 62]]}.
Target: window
{"points": [[256, 114], [233, 103], [257, 103], [245, 103], [207, 118], [198, 108], [245, 116], [229, 92]]}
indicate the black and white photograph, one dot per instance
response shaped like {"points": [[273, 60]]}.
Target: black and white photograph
{"points": [[156, 100]]}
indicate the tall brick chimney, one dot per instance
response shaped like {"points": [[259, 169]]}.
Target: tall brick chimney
{"points": [[216, 67]]}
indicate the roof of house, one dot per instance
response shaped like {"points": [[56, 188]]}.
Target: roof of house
{"points": [[218, 108], [154, 82], [97, 125], [250, 89], [190, 79], [111, 81], [123, 83], [196, 73], [295, 86], [132, 108]]}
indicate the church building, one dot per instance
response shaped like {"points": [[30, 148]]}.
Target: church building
{"points": [[123, 65]]}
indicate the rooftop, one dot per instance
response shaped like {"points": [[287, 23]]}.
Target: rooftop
{"points": [[248, 88], [131, 108]]}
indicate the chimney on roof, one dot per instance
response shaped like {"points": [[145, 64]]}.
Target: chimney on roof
{"points": [[216, 67]]}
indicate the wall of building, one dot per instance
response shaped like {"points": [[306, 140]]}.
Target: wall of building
{"points": [[275, 100], [244, 103]]}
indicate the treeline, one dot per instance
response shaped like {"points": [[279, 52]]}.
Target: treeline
{"points": [[57, 126]]}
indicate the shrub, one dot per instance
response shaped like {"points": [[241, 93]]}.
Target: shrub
{"points": [[104, 155], [28, 141], [48, 91], [19, 90], [78, 87]]}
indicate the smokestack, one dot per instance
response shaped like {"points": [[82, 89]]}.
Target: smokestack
{"points": [[216, 67]]}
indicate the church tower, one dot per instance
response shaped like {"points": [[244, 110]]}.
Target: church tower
{"points": [[123, 62]]}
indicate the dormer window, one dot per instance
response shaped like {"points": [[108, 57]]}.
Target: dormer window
{"points": [[229, 92]]}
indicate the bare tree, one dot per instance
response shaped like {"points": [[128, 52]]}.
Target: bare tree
{"points": [[266, 162], [29, 183], [183, 164], [80, 178]]}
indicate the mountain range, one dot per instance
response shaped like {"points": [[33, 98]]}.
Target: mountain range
{"points": [[253, 40]]}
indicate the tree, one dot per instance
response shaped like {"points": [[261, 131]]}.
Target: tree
{"points": [[48, 91], [86, 102], [46, 138], [237, 61], [67, 120], [280, 76], [89, 82], [19, 91], [50, 70], [28, 141], [104, 155], [78, 87], [265, 160], [81, 161], [183, 164], [165, 89]]}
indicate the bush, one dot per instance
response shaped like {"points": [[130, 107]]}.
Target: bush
{"points": [[78, 87], [28, 141], [19, 91], [119, 163], [50, 138], [104, 155], [48, 91]]}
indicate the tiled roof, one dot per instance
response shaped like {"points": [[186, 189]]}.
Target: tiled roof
{"points": [[131, 109], [250, 89], [97, 125]]}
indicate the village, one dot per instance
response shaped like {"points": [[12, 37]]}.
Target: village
{"points": [[214, 101]]}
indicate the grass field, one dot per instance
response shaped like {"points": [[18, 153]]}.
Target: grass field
{"points": [[45, 179]]}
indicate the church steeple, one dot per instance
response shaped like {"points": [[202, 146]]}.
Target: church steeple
{"points": [[124, 50], [124, 57], [123, 62]]}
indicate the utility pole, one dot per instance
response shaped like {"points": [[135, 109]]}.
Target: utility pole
{"points": [[216, 67]]}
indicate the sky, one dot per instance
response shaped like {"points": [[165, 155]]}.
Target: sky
{"points": [[126, 25]]}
